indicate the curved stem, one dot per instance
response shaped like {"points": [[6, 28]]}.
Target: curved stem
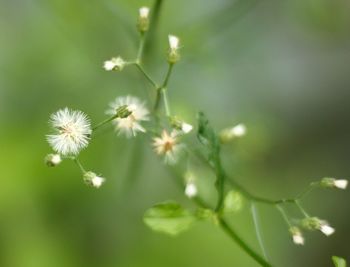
{"points": [[147, 76], [227, 229], [77, 161], [104, 122]]}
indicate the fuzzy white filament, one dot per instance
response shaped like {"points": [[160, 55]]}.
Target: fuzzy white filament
{"points": [[71, 131], [167, 145], [144, 12], [131, 124]]}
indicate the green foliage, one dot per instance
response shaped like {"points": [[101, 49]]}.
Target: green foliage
{"points": [[338, 262], [169, 218], [233, 202]]}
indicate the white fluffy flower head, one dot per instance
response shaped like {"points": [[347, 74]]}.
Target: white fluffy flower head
{"points": [[131, 124], [326, 229], [71, 131], [115, 63], [167, 145]]}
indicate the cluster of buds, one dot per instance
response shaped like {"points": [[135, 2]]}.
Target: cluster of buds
{"points": [[334, 183], [314, 223], [92, 179], [227, 135], [143, 20]]}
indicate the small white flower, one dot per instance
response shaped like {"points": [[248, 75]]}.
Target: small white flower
{"points": [[53, 160], [71, 131], [131, 124], [191, 190], [144, 12], [229, 134], [93, 179], [341, 183], [186, 128], [174, 42], [326, 229], [168, 146], [115, 63]]}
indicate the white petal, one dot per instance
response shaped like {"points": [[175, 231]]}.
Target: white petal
{"points": [[144, 12], [341, 184], [173, 42], [186, 128], [191, 190], [327, 230], [239, 130], [298, 239], [97, 181]]}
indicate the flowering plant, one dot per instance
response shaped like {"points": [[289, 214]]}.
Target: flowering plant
{"points": [[72, 131]]}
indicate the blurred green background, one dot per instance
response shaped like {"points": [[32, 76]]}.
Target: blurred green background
{"points": [[281, 67]]}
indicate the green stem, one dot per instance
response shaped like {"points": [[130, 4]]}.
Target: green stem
{"points": [[284, 215], [227, 229], [104, 122], [147, 76], [167, 76], [166, 102], [297, 203], [141, 48], [77, 161], [257, 228]]}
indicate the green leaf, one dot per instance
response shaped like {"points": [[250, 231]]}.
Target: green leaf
{"points": [[211, 141], [233, 202], [338, 262], [169, 218]]}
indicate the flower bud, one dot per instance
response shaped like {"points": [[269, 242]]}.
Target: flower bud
{"points": [[191, 190], [91, 179], [229, 134], [53, 160], [297, 236], [334, 183], [314, 223], [123, 112], [173, 53], [180, 125], [115, 63], [143, 20]]}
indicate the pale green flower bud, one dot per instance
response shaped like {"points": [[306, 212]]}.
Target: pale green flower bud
{"points": [[334, 183], [143, 20], [91, 179], [173, 53], [53, 160]]}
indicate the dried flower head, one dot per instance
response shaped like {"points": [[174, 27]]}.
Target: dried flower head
{"points": [[137, 112], [71, 131]]}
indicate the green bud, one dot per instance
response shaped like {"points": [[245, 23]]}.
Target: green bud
{"points": [[123, 112], [53, 160]]}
